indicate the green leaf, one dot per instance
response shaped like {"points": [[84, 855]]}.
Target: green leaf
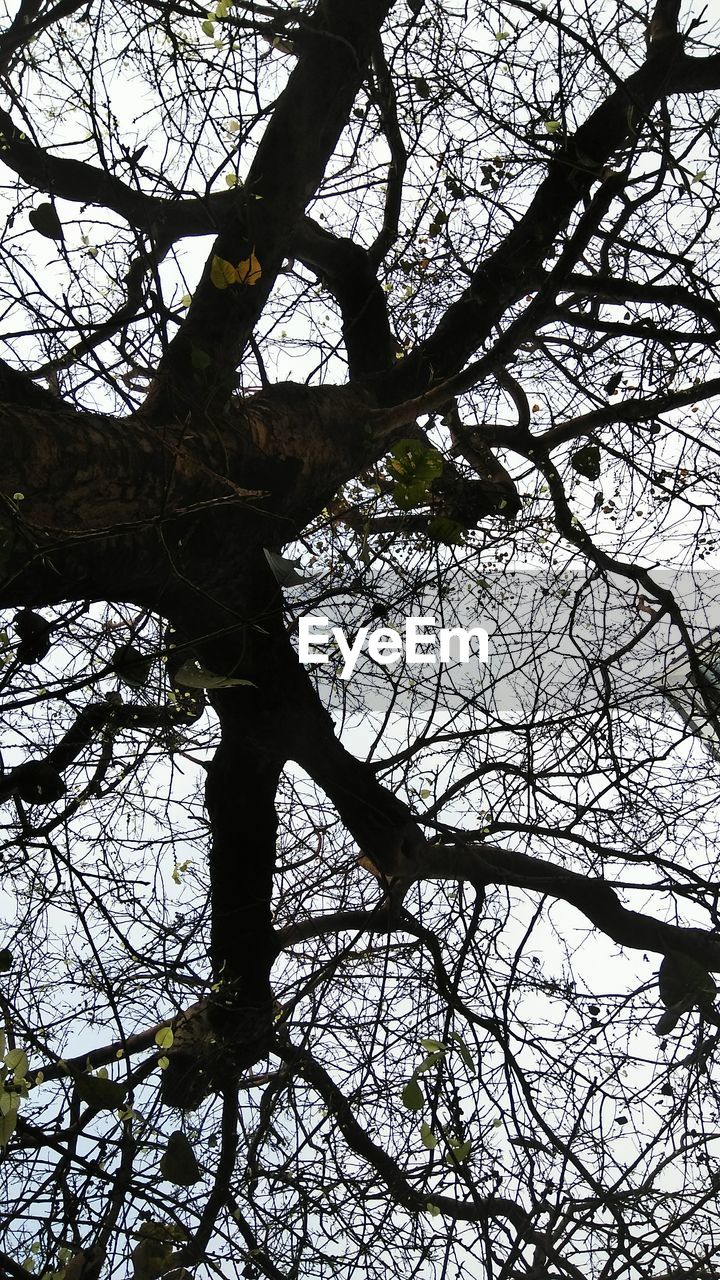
{"points": [[412, 1095], [451, 533], [414, 465], [194, 676], [427, 1137], [460, 1152], [8, 1122], [164, 1037], [432, 1209], [17, 1063], [178, 1164], [101, 1095], [428, 1063], [431, 1045], [463, 1050], [552, 126], [586, 461], [208, 27]]}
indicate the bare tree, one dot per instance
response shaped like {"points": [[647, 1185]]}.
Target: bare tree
{"points": [[275, 1006]]}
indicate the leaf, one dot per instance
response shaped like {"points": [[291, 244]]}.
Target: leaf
{"points": [[414, 466], [45, 221], [9, 1102], [17, 1063], [223, 273], [422, 88], [427, 1137], [459, 1153], [151, 1259], [8, 1124], [433, 1044], [586, 461], [194, 676], [164, 1037], [208, 27], [178, 1164], [249, 271], [101, 1095], [5, 959], [284, 571], [463, 1050], [412, 1095], [428, 1063], [451, 533], [552, 126], [437, 224], [432, 1209]]}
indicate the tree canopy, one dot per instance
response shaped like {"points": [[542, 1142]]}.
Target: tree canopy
{"points": [[364, 311]]}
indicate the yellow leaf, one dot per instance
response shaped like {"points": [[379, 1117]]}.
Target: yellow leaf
{"points": [[222, 273], [249, 271]]}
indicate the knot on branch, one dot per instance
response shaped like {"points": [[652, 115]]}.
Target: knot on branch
{"points": [[213, 1042]]}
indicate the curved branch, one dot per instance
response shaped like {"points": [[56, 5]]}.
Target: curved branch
{"points": [[508, 272], [346, 269], [285, 172], [596, 899], [387, 104], [481, 1209]]}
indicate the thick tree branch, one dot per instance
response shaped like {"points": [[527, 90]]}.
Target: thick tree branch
{"points": [[285, 172], [633, 409], [108, 505], [346, 270], [28, 24], [667, 296], [596, 899], [508, 272], [387, 104]]}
